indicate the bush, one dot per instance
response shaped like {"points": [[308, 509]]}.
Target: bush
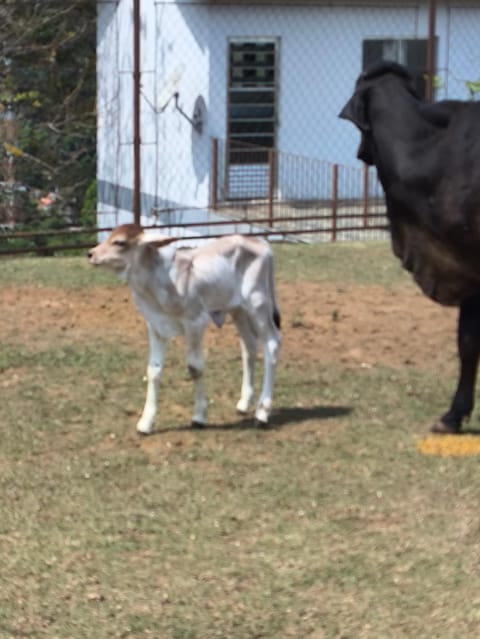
{"points": [[88, 216]]}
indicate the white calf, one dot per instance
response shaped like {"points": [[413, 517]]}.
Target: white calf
{"points": [[179, 290]]}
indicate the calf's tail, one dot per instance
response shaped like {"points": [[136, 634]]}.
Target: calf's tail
{"points": [[271, 278], [276, 318]]}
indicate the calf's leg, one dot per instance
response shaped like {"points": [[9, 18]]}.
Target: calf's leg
{"points": [[469, 353], [248, 344], [156, 358], [195, 363], [271, 342]]}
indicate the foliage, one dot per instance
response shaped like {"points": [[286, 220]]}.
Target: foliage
{"points": [[47, 96], [89, 208], [473, 88]]}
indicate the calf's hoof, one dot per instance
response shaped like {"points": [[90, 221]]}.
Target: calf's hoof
{"points": [[261, 417], [262, 414], [243, 407], [196, 424], [144, 427]]}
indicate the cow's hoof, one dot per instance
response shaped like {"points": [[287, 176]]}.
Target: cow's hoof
{"points": [[443, 427], [261, 423], [199, 425]]}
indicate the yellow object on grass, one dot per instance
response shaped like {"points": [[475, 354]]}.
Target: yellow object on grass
{"points": [[449, 445]]}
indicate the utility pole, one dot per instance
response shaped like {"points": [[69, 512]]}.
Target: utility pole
{"points": [[136, 113], [8, 137]]}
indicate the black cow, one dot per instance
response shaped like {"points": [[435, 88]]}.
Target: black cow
{"points": [[428, 161]]}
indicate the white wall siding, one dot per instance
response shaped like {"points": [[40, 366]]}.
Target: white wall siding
{"points": [[107, 98], [463, 61], [184, 49], [182, 65]]}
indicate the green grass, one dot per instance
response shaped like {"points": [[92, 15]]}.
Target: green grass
{"points": [[349, 263], [328, 525], [64, 272], [355, 263]]}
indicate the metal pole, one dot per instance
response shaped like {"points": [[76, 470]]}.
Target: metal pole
{"points": [[10, 129], [431, 50], [271, 184], [365, 194], [334, 201], [214, 192], [136, 113]]}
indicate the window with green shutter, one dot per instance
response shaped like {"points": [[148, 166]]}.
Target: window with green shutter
{"points": [[410, 52]]}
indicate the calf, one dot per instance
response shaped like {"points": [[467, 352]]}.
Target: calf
{"points": [[178, 291]]}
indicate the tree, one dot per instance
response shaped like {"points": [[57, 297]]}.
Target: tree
{"points": [[47, 97]]}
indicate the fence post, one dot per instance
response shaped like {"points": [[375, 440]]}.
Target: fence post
{"points": [[430, 89], [365, 195], [271, 185], [136, 114], [214, 188], [334, 200]]}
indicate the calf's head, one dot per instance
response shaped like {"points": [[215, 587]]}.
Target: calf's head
{"points": [[126, 246]]}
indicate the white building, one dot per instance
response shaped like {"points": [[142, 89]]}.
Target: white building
{"points": [[274, 74]]}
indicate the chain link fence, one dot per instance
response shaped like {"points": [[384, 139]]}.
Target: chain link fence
{"points": [[217, 114]]}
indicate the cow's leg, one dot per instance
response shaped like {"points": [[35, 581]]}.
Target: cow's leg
{"points": [[271, 342], [158, 347], [469, 352], [195, 363], [248, 344]]}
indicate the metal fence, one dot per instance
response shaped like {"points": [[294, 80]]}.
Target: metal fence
{"points": [[215, 116], [288, 197], [310, 199]]}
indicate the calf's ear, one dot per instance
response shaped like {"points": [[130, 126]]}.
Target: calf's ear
{"points": [[158, 242], [356, 111], [150, 245]]}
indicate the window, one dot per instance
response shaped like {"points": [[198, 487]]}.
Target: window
{"points": [[412, 53], [251, 100]]}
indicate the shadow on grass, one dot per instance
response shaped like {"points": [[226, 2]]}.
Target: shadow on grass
{"points": [[289, 416], [475, 432], [281, 417]]}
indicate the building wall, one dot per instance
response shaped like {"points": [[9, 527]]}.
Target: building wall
{"points": [[107, 109], [184, 49], [459, 55]]}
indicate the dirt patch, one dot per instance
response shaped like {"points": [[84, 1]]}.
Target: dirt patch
{"points": [[322, 323], [355, 325], [368, 326], [40, 316]]}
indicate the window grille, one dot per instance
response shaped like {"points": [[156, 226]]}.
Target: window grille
{"points": [[252, 91], [410, 52]]}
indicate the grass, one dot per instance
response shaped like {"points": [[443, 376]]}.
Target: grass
{"points": [[328, 525], [353, 263], [369, 263], [65, 272]]}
